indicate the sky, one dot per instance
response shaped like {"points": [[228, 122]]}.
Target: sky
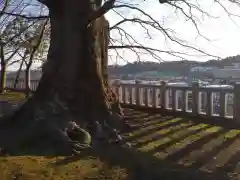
{"points": [[222, 32]]}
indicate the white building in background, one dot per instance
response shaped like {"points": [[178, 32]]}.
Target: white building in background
{"points": [[233, 66], [201, 69], [232, 71], [227, 73]]}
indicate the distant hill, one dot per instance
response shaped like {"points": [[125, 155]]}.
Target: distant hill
{"points": [[177, 67], [180, 68]]}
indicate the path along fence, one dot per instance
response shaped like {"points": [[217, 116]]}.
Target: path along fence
{"points": [[215, 101]]}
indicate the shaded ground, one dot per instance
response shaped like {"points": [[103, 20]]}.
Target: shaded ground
{"points": [[164, 148], [9, 100]]}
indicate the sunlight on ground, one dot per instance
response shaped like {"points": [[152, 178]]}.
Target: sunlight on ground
{"points": [[175, 143], [12, 97], [202, 146], [43, 168]]}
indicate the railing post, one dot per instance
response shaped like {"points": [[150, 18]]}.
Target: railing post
{"points": [[130, 93], [137, 92], [20, 84], [116, 85], [174, 96], [154, 101], [123, 94], [222, 104], [236, 104], [146, 102], [184, 100], [163, 94], [34, 85], [195, 98], [12, 83], [209, 108]]}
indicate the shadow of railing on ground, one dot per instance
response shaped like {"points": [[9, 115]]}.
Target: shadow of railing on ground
{"points": [[179, 150]]}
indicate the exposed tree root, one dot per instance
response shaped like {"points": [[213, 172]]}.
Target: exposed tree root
{"points": [[51, 123]]}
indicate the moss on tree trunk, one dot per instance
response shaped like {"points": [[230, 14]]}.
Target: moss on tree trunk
{"points": [[73, 93]]}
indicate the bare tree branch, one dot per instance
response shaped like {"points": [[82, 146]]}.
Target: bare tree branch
{"points": [[108, 5], [156, 25], [24, 16]]}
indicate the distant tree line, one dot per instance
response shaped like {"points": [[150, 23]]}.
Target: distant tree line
{"points": [[180, 67]]}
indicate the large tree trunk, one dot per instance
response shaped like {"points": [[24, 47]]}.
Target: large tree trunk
{"points": [[73, 93]]}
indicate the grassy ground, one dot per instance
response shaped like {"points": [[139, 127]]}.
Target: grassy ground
{"points": [[12, 97], [164, 148]]}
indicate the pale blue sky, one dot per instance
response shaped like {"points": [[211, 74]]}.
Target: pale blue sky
{"points": [[222, 31]]}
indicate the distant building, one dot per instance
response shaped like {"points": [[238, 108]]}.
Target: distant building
{"points": [[233, 66], [227, 73], [232, 71], [202, 69]]}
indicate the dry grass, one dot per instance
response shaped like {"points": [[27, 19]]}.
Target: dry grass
{"points": [[12, 97], [43, 168], [164, 148]]}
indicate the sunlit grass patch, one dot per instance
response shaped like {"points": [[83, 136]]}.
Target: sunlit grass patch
{"points": [[153, 126], [12, 97], [160, 133], [199, 145], [178, 135], [204, 151], [186, 141], [225, 160], [42, 168]]}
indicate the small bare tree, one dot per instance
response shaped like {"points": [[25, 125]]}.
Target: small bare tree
{"points": [[7, 51], [34, 45], [14, 30]]}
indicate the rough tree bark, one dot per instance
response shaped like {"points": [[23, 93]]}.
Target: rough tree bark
{"points": [[73, 96]]}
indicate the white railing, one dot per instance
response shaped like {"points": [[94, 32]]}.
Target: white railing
{"points": [[21, 84], [215, 101]]}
